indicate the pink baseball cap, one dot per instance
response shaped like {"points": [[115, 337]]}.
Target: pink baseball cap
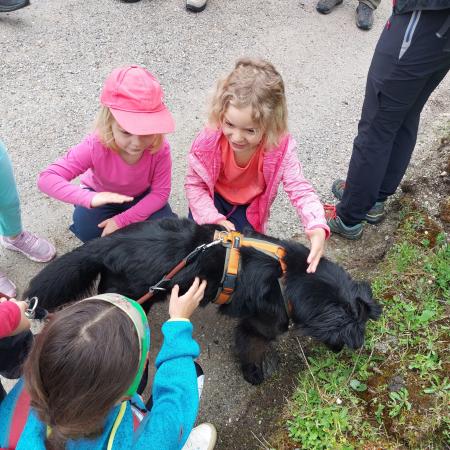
{"points": [[135, 99]]}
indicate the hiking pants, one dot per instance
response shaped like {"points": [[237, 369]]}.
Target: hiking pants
{"points": [[10, 220], [408, 64], [13, 352]]}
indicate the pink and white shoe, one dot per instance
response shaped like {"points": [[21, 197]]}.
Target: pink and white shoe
{"points": [[33, 247], [7, 287]]}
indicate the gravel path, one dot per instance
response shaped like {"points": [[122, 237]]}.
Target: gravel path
{"points": [[55, 55]]}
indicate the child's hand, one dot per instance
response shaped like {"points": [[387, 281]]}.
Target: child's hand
{"points": [[103, 198], [183, 307], [109, 226], [317, 239], [24, 323], [227, 224]]}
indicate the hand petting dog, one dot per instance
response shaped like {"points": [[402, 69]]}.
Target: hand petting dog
{"points": [[183, 307], [317, 239]]}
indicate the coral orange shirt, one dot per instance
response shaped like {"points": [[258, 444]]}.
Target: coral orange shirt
{"points": [[240, 185]]}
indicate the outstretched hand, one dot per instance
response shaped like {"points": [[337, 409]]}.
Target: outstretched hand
{"points": [[317, 239], [103, 198], [183, 307]]}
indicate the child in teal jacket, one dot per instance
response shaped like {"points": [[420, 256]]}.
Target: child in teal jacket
{"points": [[80, 381]]}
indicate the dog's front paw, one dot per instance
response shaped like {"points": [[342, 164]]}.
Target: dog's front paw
{"points": [[253, 373], [257, 373]]}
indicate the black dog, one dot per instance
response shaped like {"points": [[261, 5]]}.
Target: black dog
{"points": [[327, 305]]}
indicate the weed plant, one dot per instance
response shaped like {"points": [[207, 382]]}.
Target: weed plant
{"points": [[394, 393]]}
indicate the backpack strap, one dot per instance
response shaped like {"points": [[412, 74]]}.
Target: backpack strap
{"points": [[19, 416]]}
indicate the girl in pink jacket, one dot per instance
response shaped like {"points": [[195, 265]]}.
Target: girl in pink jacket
{"points": [[238, 161], [125, 165]]}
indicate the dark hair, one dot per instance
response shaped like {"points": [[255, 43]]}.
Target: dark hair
{"points": [[82, 363]]}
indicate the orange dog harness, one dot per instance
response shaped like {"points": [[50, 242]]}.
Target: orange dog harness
{"points": [[233, 241]]}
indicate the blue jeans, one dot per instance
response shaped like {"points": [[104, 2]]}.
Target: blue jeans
{"points": [[236, 214], [86, 220]]}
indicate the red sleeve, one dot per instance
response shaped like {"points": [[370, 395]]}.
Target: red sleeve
{"points": [[9, 318]]}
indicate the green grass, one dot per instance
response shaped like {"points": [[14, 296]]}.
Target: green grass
{"points": [[395, 392]]}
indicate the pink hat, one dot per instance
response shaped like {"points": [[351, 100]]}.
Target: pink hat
{"points": [[135, 99]]}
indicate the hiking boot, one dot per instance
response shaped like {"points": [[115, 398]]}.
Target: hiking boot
{"points": [[33, 247], [202, 437], [364, 16], [375, 215], [338, 227], [7, 287], [12, 5], [326, 6], [196, 5]]}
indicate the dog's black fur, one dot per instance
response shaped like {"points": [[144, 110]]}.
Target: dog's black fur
{"points": [[328, 305]]}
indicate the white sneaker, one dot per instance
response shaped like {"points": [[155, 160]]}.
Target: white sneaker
{"points": [[196, 5], [202, 437]]}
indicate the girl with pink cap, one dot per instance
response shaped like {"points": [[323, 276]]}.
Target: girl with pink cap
{"points": [[125, 165]]}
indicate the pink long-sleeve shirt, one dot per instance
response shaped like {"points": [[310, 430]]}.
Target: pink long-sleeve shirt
{"points": [[9, 318], [280, 165], [103, 170]]}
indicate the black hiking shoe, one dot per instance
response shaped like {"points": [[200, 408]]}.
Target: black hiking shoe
{"points": [[326, 6], [364, 16], [12, 5], [336, 225], [376, 213]]}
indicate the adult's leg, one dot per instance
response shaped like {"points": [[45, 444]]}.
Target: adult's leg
{"points": [[373, 4], [406, 140], [10, 219], [396, 83]]}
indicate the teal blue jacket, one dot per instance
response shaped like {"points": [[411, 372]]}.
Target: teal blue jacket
{"points": [[165, 427]]}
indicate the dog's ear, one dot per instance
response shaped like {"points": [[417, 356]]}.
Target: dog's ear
{"points": [[368, 307]]}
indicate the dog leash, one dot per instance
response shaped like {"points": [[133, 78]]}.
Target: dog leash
{"points": [[163, 283]]}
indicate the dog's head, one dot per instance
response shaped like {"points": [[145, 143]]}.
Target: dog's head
{"points": [[334, 313]]}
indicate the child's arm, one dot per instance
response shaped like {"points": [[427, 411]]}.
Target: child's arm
{"points": [[157, 198], [55, 179], [305, 200], [200, 201], [12, 317], [301, 193], [175, 391]]}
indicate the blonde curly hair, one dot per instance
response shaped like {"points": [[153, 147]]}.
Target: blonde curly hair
{"points": [[256, 83], [103, 127]]}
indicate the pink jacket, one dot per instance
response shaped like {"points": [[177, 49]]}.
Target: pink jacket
{"points": [[103, 170], [280, 165], [9, 318]]}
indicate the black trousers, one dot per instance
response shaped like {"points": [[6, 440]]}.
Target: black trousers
{"points": [[13, 352], [408, 64]]}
